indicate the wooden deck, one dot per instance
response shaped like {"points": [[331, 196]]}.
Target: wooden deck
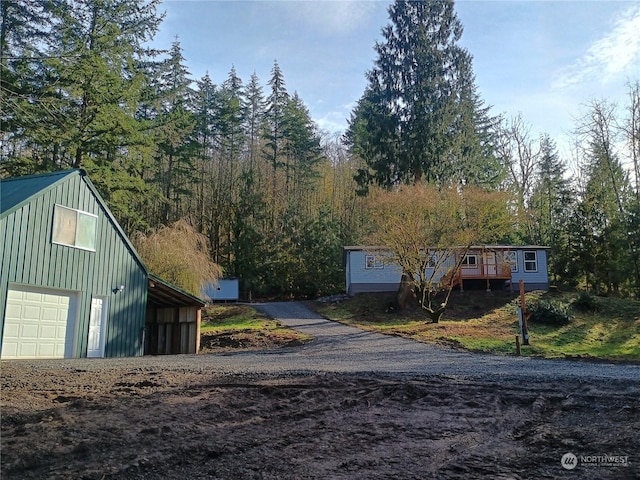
{"points": [[485, 268]]}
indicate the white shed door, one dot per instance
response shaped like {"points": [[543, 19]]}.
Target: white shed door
{"points": [[39, 323]]}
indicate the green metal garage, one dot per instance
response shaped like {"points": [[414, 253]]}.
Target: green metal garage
{"points": [[71, 283]]}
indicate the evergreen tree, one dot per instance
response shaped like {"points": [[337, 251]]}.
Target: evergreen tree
{"points": [[205, 137], [274, 132], [229, 121], [301, 149], [420, 117], [24, 36], [175, 136], [254, 107], [551, 206], [607, 252], [76, 84]]}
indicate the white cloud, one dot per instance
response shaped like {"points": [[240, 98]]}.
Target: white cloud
{"points": [[333, 122], [613, 54], [332, 16]]}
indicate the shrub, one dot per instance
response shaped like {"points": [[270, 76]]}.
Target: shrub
{"points": [[179, 254], [550, 313], [586, 302]]}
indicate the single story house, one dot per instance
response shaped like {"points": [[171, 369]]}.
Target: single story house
{"points": [[372, 269], [71, 283]]}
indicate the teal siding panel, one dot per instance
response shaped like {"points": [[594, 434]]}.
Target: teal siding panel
{"points": [[20, 227], [33, 269]]}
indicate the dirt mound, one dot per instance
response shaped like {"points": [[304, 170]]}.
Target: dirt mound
{"points": [[230, 340]]}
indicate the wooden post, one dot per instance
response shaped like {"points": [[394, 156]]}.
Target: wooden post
{"points": [[198, 325], [525, 315], [518, 351]]}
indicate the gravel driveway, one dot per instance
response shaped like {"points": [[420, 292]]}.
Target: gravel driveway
{"points": [[347, 404], [338, 348], [342, 348]]}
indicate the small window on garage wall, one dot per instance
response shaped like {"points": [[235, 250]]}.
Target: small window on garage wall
{"points": [[74, 228], [530, 262]]}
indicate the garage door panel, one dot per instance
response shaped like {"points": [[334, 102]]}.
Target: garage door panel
{"points": [[49, 331], [52, 315], [9, 350], [39, 323], [13, 311], [26, 349], [29, 331], [11, 330], [32, 297], [30, 312]]}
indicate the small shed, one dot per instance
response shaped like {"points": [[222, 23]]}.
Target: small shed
{"points": [[71, 283], [224, 290]]}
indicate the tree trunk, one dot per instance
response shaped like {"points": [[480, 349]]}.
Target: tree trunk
{"points": [[436, 315], [405, 294]]}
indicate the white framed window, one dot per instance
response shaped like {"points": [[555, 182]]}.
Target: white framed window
{"points": [[74, 228], [470, 260], [512, 259], [371, 261], [530, 261]]}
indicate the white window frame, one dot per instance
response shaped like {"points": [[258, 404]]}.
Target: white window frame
{"points": [[511, 258], [465, 261], [526, 261], [372, 262], [78, 214]]}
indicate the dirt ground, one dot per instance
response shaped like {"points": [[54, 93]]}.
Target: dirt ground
{"points": [[120, 421]]}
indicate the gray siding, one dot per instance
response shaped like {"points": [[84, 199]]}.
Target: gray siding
{"points": [[538, 280], [360, 279], [29, 257]]}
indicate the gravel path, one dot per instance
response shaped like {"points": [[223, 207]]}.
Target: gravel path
{"points": [[338, 348], [341, 348]]}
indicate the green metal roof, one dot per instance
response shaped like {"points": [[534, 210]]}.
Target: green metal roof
{"points": [[17, 191]]}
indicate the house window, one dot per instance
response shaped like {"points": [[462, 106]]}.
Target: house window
{"points": [[512, 259], [530, 262], [470, 261], [371, 261], [74, 228]]}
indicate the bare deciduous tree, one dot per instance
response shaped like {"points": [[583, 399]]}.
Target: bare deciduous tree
{"points": [[423, 226]]}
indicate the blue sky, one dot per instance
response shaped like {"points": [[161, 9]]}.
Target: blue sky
{"points": [[543, 59]]}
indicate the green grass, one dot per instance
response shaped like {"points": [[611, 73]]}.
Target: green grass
{"points": [[221, 319], [487, 322]]}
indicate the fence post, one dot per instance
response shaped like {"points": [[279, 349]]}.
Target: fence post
{"points": [[523, 316]]}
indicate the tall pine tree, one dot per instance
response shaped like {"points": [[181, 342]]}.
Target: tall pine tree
{"points": [[420, 117]]}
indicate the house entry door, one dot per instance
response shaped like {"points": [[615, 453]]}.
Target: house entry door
{"points": [[491, 264]]}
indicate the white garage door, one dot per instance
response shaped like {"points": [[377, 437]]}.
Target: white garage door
{"points": [[39, 323]]}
